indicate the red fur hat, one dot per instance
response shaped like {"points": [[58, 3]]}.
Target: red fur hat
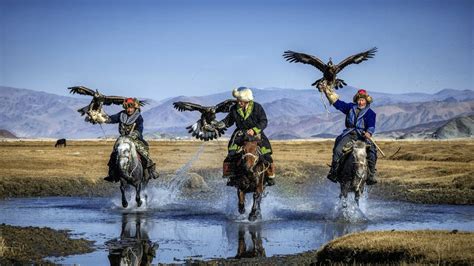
{"points": [[362, 94], [131, 102]]}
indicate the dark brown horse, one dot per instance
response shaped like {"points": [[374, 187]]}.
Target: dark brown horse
{"points": [[250, 175], [353, 171]]}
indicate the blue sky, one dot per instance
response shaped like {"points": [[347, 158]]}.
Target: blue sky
{"points": [[160, 49]]}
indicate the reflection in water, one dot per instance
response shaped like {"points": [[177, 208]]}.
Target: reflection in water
{"points": [[134, 246], [190, 229], [254, 249]]}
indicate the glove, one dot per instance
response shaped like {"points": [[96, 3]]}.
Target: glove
{"points": [[331, 95]]}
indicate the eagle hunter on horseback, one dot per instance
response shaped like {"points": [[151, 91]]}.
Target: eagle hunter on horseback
{"points": [[130, 123], [250, 119], [360, 125]]}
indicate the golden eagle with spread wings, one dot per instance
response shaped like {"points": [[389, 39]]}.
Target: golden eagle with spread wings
{"points": [[329, 70], [206, 128], [93, 111]]}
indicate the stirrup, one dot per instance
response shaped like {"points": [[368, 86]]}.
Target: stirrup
{"points": [[110, 179], [371, 182], [332, 178], [270, 182]]}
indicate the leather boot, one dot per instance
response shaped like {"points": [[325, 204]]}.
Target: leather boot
{"points": [[150, 171], [332, 175], [112, 177], [371, 173], [270, 175], [227, 170]]}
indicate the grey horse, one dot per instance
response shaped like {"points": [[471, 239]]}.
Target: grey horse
{"points": [[353, 172], [129, 168]]}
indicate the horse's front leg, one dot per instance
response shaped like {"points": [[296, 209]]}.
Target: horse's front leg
{"points": [[257, 198], [356, 197], [137, 196], [241, 196], [124, 199]]}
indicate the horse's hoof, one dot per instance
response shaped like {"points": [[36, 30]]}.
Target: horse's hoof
{"points": [[124, 204], [139, 203], [253, 217], [242, 209]]}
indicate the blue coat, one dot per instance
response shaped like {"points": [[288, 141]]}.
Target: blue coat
{"points": [[365, 121]]}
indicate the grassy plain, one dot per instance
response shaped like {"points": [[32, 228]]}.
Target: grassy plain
{"points": [[421, 171]]}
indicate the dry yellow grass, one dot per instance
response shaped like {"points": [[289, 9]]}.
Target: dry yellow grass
{"points": [[422, 171], [3, 247], [401, 246]]}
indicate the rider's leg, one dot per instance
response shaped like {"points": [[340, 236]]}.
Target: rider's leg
{"points": [[229, 167], [336, 156], [112, 177], [148, 164], [371, 162]]}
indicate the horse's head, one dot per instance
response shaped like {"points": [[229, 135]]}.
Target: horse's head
{"points": [[359, 152], [250, 153], [125, 152]]}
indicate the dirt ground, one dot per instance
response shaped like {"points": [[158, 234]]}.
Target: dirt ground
{"points": [[438, 172], [28, 245]]}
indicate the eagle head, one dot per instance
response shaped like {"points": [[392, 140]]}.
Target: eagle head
{"points": [[330, 64]]}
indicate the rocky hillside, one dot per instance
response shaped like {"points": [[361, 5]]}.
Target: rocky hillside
{"points": [[5, 134]]}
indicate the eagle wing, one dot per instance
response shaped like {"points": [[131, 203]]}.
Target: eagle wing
{"points": [[224, 107], [294, 57], [187, 106], [81, 90], [357, 58], [118, 100]]}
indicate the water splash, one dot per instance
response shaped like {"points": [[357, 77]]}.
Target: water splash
{"points": [[347, 211], [169, 192], [160, 194]]}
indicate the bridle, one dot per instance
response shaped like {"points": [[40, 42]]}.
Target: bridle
{"points": [[127, 157]]}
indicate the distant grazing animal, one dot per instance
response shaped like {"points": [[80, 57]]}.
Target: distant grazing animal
{"points": [[329, 70], [60, 142], [250, 173], [206, 128], [94, 110], [353, 171]]}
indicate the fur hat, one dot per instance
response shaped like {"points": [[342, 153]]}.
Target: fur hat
{"points": [[362, 94], [131, 102], [243, 94]]}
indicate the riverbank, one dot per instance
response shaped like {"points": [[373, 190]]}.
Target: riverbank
{"points": [[26, 245], [30, 245], [386, 247], [435, 172]]}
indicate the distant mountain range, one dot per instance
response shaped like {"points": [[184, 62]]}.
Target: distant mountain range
{"points": [[291, 113]]}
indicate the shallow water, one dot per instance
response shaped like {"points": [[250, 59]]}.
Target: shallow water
{"points": [[174, 226]]}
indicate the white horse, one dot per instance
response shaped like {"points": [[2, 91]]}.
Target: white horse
{"points": [[354, 171], [129, 168]]}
